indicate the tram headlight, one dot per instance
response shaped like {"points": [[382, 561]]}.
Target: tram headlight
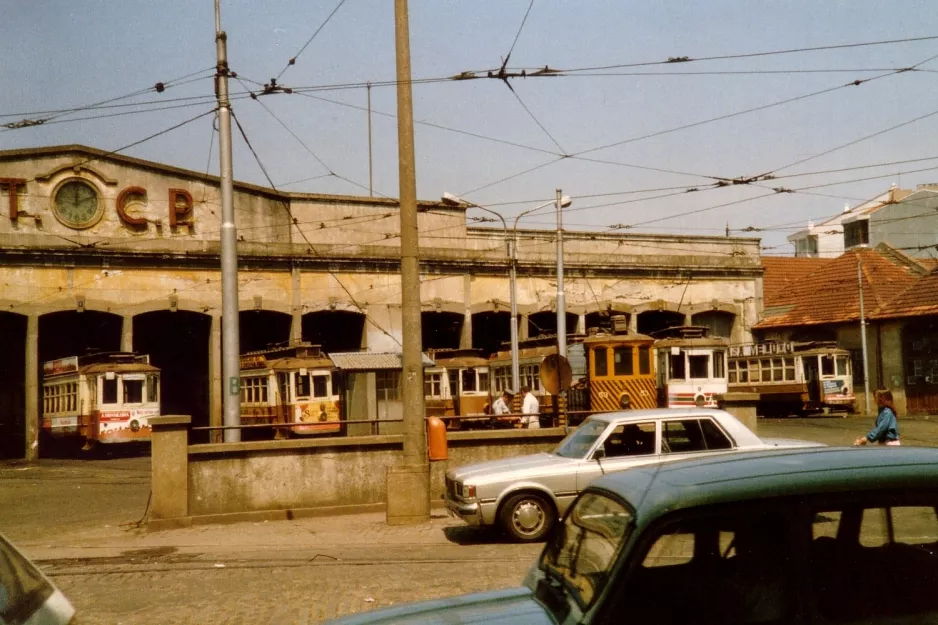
{"points": [[625, 400]]}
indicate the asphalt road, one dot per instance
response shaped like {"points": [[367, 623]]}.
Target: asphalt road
{"points": [[77, 518]]}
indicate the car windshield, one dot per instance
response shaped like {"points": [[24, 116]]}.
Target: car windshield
{"points": [[582, 552], [579, 442]]}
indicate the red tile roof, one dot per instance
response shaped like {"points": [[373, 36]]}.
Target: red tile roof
{"points": [[919, 299], [831, 294], [782, 271]]}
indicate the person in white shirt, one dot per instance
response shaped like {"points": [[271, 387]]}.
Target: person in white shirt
{"points": [[502, 405], [531, 409]]}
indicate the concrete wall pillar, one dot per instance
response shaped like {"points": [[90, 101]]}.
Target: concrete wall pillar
{"points": [[580, 324], [214, 379], [465, 336], [296, 306], [169, 483], [633, 323], [127, 333], [32, 388], [522, 327]]}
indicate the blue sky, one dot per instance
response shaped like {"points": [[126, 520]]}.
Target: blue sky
{"points": [[57, 54]]}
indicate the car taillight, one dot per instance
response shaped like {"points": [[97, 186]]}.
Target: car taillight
{"points": [[470, 491]]}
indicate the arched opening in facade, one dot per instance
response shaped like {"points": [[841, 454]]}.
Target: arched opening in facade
{"points": [[720, 322], [334, 330], [651, 321], [603, 319], [13, 386], [440, 329], [490, 329], [257, 329], [72, 333], [178, 343], [545, 323]]}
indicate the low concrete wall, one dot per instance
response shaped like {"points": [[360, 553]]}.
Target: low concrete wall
{"points": [[298, 477]]}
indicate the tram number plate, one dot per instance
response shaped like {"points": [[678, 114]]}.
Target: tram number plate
{"points": [[602, 394]]}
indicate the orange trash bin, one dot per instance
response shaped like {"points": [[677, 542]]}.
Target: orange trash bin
{"points": [[436, 439]]}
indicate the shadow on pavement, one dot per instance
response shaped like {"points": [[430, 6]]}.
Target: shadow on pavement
{"points": [[466, 535]]}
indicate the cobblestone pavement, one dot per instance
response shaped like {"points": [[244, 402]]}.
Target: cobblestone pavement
{"points": [[76, 519]]}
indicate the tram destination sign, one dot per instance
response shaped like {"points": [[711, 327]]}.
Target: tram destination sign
{"points": [[761, 349], [60, 366]]}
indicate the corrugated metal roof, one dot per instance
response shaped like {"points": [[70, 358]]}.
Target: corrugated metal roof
{"points": [[371, 361]]}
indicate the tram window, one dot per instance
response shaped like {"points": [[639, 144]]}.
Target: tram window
{"points": [[622, 361], [433, 385], [841, 365], [302, 385], [743, 367], [644, 360], [153, 389], [777, 370], [677, 366], [336, 383], [320, 386], [468, 380], [108, 391], [600, 362], [754, 371], [283, 387], [484, 381], [732, 373], [789, 369], [827, 365], [133, 391], [699, 366], [718, 370], [766, 365]]}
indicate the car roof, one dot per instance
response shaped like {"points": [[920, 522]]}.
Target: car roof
{"points": [[657, 413], [659, 489]]}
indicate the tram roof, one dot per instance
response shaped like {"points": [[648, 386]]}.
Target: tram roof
{"points": [[372, 361], [619, 338]]}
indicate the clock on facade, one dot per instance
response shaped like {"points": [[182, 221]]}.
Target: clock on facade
{"points": [[76, 204]]}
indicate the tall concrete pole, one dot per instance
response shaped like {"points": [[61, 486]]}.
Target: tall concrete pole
{"points": [[231, 375], [561, 297], [409, 485], [513, 285], [866, 374]]}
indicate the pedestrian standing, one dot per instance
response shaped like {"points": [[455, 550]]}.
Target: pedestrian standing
{"points": [[886, 431], [502, 405], [531, 409]]}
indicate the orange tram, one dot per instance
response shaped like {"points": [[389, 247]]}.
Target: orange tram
{"points": [[295, 385]]}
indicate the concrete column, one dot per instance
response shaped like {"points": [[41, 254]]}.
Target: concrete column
{"points": [[633, 323], [522, 327], [580, 324], [214, 378], [32, 388], [296, 306], [465, 336], [127, 333], [169, 453]]}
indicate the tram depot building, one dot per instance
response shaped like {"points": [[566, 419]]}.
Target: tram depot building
{"points": [[106, 252]]}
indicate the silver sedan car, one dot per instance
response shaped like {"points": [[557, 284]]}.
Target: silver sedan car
{"points": [[528, 494]]}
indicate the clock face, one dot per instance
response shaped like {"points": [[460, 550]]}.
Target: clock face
{"points": [[76, 204]]}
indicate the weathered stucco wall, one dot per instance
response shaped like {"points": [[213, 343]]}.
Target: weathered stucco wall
{"points": [[326, 473]]}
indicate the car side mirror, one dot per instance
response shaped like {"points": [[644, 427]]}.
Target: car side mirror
{"points": [[600, 453]]}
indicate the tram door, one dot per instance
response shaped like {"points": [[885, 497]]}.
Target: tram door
{"points": [[812, 377], [454, 390]]}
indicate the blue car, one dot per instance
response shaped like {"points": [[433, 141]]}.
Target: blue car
{"points": [[825, 535]]}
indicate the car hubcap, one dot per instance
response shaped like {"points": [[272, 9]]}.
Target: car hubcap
{"points": [[528, 517]]}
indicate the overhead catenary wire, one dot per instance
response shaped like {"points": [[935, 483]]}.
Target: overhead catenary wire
{"points": [[292, 60]]}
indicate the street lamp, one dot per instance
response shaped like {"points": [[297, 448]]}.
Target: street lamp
{"points": [[560, 202]]}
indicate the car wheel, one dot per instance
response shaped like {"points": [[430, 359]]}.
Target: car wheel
{"points": [[528, 517]]}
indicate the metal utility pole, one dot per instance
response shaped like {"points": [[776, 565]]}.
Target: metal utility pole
{"points": [[866, 375], [409, 484], [513, 285], [371, 187], [230, 366], [561, 298]]}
